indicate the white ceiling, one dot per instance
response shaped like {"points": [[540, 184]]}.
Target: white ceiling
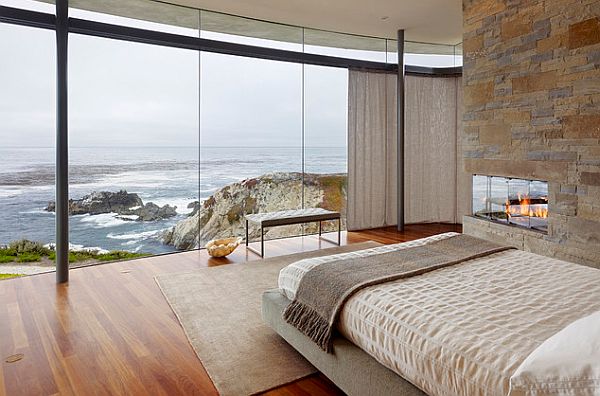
{"points": [[433, 21]]}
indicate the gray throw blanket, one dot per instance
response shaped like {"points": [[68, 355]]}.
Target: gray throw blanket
{"points": [[324, 289]]}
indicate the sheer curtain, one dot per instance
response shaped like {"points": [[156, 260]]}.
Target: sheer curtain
{"points": [[436, 188], [431, 141], [371, 150]]}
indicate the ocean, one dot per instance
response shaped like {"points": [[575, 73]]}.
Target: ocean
{"points": [[163, 175]]}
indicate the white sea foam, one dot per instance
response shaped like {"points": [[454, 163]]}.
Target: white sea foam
{"points": [[103, 220], [79, 248], [181, 203], [143, 179], [9, 192], [129, 217], [134, 236], [39, 211], [47, 187]]}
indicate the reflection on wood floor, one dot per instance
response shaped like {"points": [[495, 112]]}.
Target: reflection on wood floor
{"points": [[110, 330]]}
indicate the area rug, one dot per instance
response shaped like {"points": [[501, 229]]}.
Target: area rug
{"points": [[220, 311]]}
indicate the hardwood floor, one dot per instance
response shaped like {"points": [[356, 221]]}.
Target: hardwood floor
{"points": [[110, 330]]}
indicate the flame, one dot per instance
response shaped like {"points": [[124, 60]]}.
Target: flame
{"points": [[525, 208]]}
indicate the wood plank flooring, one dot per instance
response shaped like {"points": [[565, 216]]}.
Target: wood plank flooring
{"points": [[111, 332]]}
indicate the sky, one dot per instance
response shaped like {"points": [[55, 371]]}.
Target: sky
{"points": [[130, 94]]}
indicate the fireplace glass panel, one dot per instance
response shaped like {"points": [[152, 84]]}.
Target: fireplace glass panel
{"points": [[497, 199], [517, 205], [538, 191], [518, 202], [481, 205]]}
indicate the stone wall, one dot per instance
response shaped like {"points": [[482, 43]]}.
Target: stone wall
{"points": [[532, 110]]}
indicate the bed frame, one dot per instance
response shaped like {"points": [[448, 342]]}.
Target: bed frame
{"points": [[349, 367]]}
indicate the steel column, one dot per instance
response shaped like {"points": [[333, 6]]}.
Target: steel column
{"points": [[62, 143], [400, 131]]}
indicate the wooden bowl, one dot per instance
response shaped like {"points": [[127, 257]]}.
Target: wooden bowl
{"points": [[222, 247]]}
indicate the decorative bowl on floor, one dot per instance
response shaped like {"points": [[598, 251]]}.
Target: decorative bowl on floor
{"points": [[222, 247]]}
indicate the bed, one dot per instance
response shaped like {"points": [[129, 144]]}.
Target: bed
{"points": [[487, 326]]}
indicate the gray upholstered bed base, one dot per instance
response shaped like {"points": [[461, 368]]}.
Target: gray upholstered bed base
{"points": [[349, 367]]}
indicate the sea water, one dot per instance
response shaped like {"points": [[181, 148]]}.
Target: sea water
{"points": [[163, 175]]}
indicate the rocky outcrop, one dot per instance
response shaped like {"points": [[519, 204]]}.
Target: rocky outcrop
{"points": [[127, 205], [222, 214], [195, 206], [153, 212]]}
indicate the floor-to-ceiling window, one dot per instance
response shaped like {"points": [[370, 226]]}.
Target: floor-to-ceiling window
{"points": [[325, 140], [134, 144], [251, 141], [27, 122], [169, 148]]}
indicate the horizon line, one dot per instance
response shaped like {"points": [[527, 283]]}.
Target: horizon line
{"points": [[99, 147]]}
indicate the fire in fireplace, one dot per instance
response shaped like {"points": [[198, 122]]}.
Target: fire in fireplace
{"points": [[519, 202]]}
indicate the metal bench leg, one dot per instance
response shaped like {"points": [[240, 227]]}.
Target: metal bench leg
{"points": [[339, 238], [262, 241], [320, 227]]}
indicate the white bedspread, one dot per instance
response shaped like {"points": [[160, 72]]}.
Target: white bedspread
{"points": [[462, 330]]}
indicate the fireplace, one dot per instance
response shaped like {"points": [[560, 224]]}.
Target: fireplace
{"points": [[517, 202]]}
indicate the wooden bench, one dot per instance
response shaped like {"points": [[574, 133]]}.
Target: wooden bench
{"points": [[289, 217]]}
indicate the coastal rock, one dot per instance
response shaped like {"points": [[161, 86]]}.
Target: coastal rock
{"points": [[195, 206], [222, 214], [153, 212], [121, 202], [101, 202]]}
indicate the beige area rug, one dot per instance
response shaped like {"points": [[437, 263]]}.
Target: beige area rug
{"points": [[220, 311]]}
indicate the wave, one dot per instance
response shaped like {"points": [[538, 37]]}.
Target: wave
{"points": [[180, 203], [137, 236], [40, 211], [11, 192], [129, 217], [103, 220], [79, 248]]}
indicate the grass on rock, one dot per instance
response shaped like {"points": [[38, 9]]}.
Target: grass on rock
{"points": [[6, 259], [25, 251], [29, 258], [8, 276]]}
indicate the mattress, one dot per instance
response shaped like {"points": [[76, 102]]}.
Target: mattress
{"points": [[462, 330]]}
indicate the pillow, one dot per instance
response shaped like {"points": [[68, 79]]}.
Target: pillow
{"points": [[568, 363]]}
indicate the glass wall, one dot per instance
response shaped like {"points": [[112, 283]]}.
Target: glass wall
{"points": [[143, 14], [134, 145], [234, 29], [325, 140], [426, 54], [344, 45], [251, 142], [170, 148], [46, 6], [27, 131]]}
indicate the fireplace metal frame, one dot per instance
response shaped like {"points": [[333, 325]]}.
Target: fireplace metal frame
{"points": [[488, 213]]}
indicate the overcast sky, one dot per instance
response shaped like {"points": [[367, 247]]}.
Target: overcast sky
{"points": [[129, 94]]}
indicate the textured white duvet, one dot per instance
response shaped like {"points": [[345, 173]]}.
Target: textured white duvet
{"points": [[462, 330]]}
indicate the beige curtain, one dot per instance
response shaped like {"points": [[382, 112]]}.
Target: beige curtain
{"points": [[371, 150], [435, 185], [436, 188]]}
